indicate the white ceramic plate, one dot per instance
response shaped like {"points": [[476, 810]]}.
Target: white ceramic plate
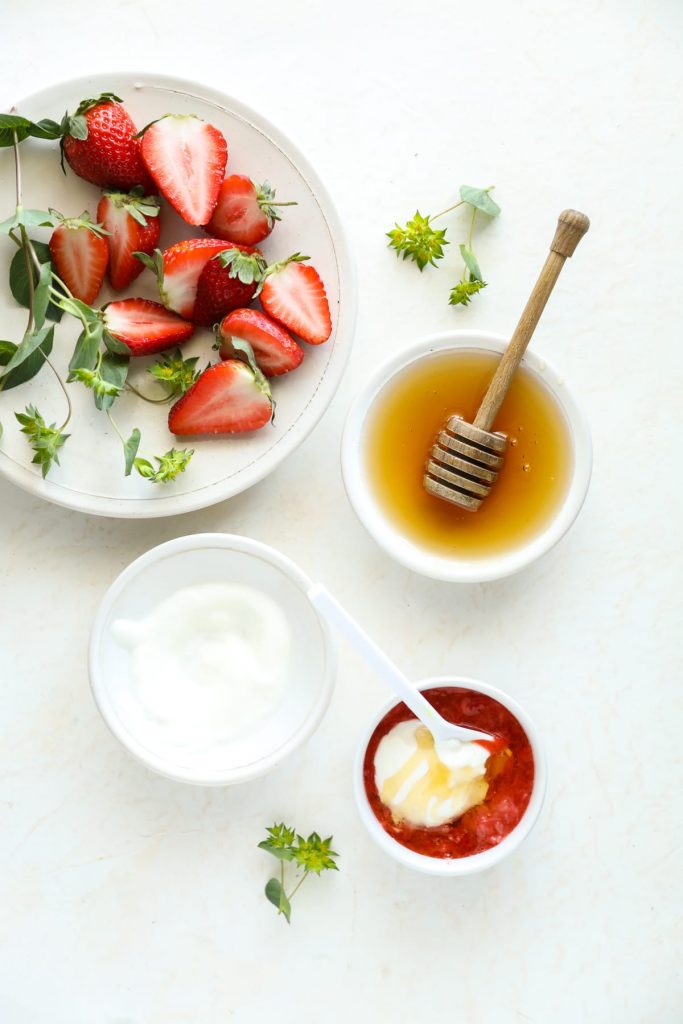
{"points": [[91, 478]]}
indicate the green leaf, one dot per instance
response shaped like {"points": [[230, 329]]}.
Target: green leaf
{"points": [[114, 344], [480, 198], [11, 124], [113, 370], [18, 278], [46, 129], [86, 350], [29, 367], [418, 241], [29, 218], [470, 261], [276, 895], [31, 341], [80, 310], [41, 297], [281, 852], [130, 450]]}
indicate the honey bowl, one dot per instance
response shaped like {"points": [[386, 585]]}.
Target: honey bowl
{"points": [[390, 430]]}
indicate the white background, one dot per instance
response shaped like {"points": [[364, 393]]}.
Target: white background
{"points": [[126, 898]]}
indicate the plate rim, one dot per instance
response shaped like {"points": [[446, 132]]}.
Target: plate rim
{"points": [[212, 494]]}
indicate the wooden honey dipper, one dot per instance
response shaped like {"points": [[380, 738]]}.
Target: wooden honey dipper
{"points": [[465, 459]]}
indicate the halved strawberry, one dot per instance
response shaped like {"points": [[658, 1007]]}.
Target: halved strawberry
{"points": [[186, 158], [229, 280], [99, 144], [79, 254], [229, 398], [177, 271], [245, 212], [145, 326], [275, 350], [294, 294], [133, 223]]}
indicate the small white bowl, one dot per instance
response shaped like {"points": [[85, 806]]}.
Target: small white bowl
{"points": [[212, 558], [388, 536], [457, 867]]}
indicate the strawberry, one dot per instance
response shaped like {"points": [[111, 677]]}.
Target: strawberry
{"points": [[245, 212], [177, 271], [132, 221], [145, 326], [229, 280], [186, 158], [275, 350], [228, 398], [79, 254], [99, 144], [294, 294]]}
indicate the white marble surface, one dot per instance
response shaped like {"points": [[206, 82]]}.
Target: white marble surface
{"points": [[126, 898]]}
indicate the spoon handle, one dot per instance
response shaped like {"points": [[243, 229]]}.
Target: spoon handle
{"points": [[338, 617], [571, 227]]}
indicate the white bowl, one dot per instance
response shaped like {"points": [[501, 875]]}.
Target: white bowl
{"points": [[211, 558], [406, 551], [460, 866]]}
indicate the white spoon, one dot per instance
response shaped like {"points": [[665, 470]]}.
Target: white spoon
{"points": [[443, 732]]}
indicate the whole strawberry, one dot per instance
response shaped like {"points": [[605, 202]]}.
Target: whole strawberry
{"points": [[228, 281], [99, 144]]}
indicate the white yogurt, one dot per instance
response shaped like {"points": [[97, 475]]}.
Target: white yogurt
{"points": [[427, 784], [208, 666]]}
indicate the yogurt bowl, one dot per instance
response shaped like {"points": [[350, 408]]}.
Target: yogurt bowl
{"points": [[392, 535], [529, 783], [190, 565]]}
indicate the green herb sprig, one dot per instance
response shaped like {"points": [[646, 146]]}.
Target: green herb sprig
{"points": [[312, 856], [422, 243]]}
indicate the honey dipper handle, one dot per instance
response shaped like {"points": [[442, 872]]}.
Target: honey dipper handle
{"points": [[571, 227]]}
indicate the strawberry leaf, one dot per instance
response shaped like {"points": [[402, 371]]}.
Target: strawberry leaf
{"points": [[276, 895], [29, 367], [18, 278], [45, 440], [31, 341], [130, 450]]}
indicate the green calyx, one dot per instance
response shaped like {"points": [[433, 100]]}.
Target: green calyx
{"points": [[265, 197], [247, 267], [176, 117], [76, 223], [135, 203], [418, 241]]}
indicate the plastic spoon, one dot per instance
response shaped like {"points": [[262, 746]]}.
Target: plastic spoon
{"points": [[443, 732]]}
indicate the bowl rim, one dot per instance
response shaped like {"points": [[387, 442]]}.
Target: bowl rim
{"points": [[160, 764], [457, 867], [387, 535]]}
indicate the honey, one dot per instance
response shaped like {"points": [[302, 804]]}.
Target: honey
{"points": [[401, 428]]}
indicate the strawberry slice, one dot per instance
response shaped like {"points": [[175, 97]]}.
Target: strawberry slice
{"points": [[245, 212], [294, 294], [229, 398], [79, 254], [133, 223], [230, 279], [186, 158], [275, 350], [145, 326], [177, 271]]}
